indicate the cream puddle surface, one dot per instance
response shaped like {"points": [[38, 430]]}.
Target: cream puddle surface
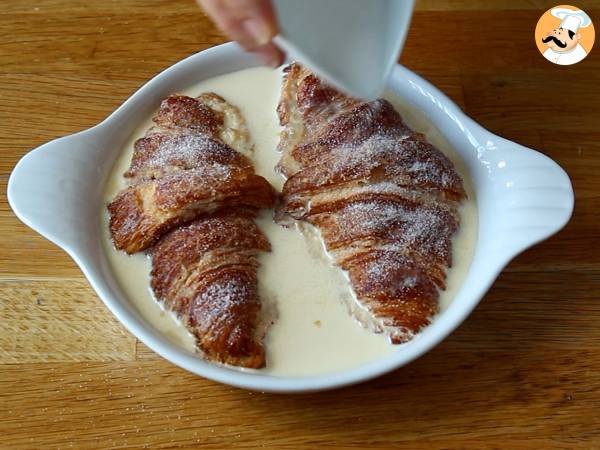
{"points": [[313, 332]]}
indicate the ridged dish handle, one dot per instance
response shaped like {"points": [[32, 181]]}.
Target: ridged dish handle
{"points": [[535, 199], [49, 187]]}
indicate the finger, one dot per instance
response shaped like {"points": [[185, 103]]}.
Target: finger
{"points": [[257, 20], [226, 21], [251, 9], [270, 55], [250, 22]]}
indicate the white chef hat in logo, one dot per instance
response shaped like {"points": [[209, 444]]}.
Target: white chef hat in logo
{"points": [[571, 19]]}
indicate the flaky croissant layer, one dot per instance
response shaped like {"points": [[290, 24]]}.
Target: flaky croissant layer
{"points": [[384, 199], [191, 200]]}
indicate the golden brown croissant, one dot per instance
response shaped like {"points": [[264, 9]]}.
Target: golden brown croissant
{"points": [[205, 272], [384, 199], [193, 193], [184, 167]]}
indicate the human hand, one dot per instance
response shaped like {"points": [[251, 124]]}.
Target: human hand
{"points": [[252, 23]]}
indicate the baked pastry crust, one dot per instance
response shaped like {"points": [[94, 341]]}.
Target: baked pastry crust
{"points": [[384, 199], [191, 199], [205, 272], [186, 166]]}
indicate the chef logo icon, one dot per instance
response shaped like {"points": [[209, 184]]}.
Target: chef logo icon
{"points": [[564, 35]]}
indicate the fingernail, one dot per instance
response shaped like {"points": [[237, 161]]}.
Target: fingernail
{"points": [[267, 59], [258, 31]]}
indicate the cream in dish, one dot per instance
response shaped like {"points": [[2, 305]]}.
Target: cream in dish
{"points": [[313, 332]]}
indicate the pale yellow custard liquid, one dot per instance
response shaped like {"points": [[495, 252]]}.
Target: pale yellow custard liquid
{"points": [[313, 332]]}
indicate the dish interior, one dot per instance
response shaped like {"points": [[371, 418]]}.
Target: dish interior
{"points": [[314, 332]]}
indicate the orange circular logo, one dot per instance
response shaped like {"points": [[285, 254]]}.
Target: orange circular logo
{"points": [[564, 35]]}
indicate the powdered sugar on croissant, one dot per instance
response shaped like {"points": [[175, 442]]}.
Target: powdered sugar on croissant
{"points": [[384, 199], [191, 199], [190, 163]]}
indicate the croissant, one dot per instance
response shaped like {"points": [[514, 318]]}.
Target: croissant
{"points": [[184, 167], [384, 200], [192, 196], [205, 272]]}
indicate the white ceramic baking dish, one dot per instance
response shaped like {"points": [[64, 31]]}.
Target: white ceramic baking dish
{"points": [[523, 197]]}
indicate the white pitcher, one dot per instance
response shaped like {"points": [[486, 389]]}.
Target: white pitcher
{"points": [[353, 44]]}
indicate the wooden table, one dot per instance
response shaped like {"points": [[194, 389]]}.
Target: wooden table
{"points": [[522, 372]]}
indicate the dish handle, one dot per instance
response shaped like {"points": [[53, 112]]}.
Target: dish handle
{"points": [[535, 198], [52, 188]]}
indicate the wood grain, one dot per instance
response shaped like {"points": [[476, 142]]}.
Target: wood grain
{"points": [[58, 320], [522, 372]]}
